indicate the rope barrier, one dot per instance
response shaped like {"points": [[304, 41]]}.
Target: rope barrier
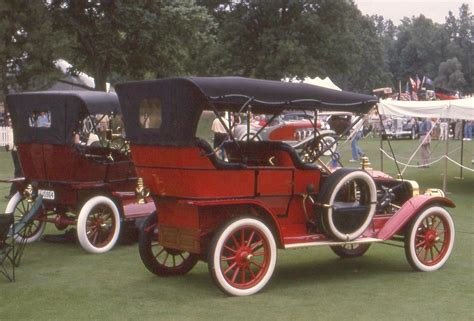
{"points": [[418, 159], [431, 163]]}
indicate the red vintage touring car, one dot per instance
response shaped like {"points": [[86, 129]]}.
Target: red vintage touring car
{"points": [[70, 155], [233, 208]]}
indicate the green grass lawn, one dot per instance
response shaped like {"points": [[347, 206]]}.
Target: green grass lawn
{"points": [[62, 282]]}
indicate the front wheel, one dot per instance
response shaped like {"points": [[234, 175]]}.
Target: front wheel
{"points": [[19, 206], [160, 260], [350, 250], [429, 239], [242, 256], [98, 225]]}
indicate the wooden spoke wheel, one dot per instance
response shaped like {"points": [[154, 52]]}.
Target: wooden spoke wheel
{"points": [[20, 207], [160, 260], [429, 239], [98, 225], [350, 250], [242, 256]]}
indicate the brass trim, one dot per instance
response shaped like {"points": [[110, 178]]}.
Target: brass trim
{"points": [[141, 192]]}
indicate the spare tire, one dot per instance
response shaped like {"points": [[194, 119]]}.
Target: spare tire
{"points": [[346, 203]]}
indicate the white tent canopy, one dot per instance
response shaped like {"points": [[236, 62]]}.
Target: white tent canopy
{"points": [[80, 79], [450, 109], [326, 82]]}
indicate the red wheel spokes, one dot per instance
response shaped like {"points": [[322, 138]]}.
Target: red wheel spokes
{"points": [[250, 238], [230, 268], [432, 231], [245, 257], [168, 257], [100, 227]]}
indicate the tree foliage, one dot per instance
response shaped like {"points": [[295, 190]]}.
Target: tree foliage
{"points": [[450, 74], [132, 39], [28, 46], [117, 40], [284, 38]]}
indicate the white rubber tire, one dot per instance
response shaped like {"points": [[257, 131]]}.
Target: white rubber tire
{"points": [[82, 219], [11, 206], [410, 250], [364, 176], [217, 247]]}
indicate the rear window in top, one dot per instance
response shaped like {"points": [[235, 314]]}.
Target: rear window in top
{"points": [[150, 113], [40, 119]]}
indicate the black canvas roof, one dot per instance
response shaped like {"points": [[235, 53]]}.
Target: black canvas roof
{"points": [[183, 99], [66, 109], [270, 94]]}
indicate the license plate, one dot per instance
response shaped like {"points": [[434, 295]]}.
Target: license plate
{"points": [[47, 195]]}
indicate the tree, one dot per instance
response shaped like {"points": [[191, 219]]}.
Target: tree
{"points": [[28, 47], [418, 49], [295, 38], [369, 66], [462, 44], [450, 75], [132, 39]]}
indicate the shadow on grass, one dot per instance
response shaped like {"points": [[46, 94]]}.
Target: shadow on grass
{"points": [[317, 271]]}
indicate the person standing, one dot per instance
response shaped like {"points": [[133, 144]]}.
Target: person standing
{"points": [[458, 129], [16, 161], [425, 139], [356, 136], [468, 130], [444, 128], [220, 134]]}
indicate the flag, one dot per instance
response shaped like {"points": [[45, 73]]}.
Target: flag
{"points": [[407, 88], [418, 83], [405, 96], [413, 84]]}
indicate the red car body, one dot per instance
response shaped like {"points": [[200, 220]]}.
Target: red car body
{"points": [[234, 212]]}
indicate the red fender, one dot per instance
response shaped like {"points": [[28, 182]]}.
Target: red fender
{"points": [[407, 211]]}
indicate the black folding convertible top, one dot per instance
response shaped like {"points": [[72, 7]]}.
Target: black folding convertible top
{"points": [[67, 108], [183, 99]]}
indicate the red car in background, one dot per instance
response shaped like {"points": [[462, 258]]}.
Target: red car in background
{"points": [[446, 94]]}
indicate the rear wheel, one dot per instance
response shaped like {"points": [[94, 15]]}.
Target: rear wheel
{"points": [[429, 240], [350, 250], [242, 256], [98, 225], [19, 206], [160, 260]]}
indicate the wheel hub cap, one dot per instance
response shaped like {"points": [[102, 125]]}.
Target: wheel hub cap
{"points": [[243, 257], [430, 238]]}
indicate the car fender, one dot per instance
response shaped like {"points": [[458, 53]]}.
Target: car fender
{"points": [[411, 208]]}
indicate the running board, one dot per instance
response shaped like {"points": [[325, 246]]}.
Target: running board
{"points": [[320, 243]]}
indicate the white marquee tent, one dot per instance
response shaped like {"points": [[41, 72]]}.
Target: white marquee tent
{"points": [[450, 109]]}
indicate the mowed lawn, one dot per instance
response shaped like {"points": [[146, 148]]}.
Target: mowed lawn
{"points": [[62, 282]]}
